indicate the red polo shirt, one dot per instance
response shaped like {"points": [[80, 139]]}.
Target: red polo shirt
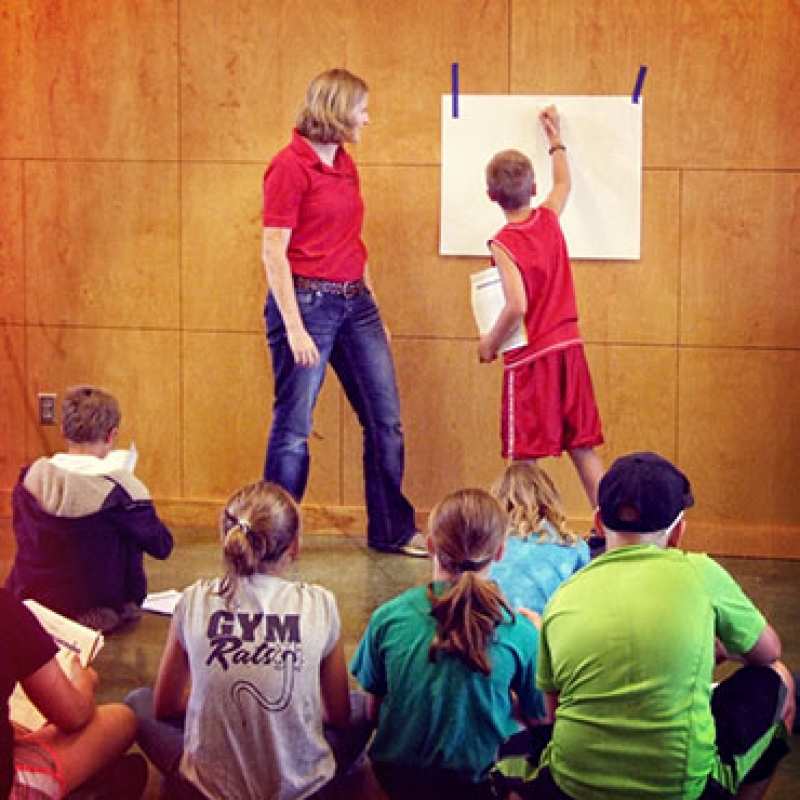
{"points": [[323, 207]]}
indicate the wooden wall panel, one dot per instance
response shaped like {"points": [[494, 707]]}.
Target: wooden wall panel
{"points": [[719, 81], [133, 140], [89, 80], [226, 401], [636, 392], [245, 71], [451, 408], [12, 262], [223, 280], [740, 417], [637, 301], [405, 50], [414, 284], [140, 368], [740, 253], [13, 408], [102, 244]]}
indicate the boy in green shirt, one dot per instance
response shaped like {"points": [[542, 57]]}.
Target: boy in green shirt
{"points": [[626, 661]]}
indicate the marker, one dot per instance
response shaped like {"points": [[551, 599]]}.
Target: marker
{"points": [[454, 81], [637, 90]]}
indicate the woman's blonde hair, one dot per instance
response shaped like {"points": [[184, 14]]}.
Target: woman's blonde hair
{"points": [[326, 116], [531, 500], [257, 526], [467, 529]]}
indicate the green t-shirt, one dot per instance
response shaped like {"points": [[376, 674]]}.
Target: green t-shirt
{"points": [[628, 643], [442, 714]]}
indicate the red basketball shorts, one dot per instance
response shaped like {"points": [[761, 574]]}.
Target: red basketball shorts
{"points": [[549, 406]]}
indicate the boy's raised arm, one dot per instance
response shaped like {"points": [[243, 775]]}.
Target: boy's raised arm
{"points": [[562, 181]]}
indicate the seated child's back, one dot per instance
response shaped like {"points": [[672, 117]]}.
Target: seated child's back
{"points": [[541, 552]]}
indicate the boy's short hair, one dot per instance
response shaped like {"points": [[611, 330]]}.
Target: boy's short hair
{"points": [[88, 414], [510, 179]]}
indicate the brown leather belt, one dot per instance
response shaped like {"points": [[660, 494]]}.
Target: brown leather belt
{"points": [[343, 289]]}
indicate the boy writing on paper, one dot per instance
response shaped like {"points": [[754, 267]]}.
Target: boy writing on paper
{"points": [[83, 524], [548, 400]]}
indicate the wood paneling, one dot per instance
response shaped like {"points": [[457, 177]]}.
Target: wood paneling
{"points": [[226, 411], [15, 403], [405, 50], [82, 80], [12, 262], [740, 251], [140, 368], [636, 302], [223, 280], [245, 72], [739, 422], [133, 141], [720, 79], [451, 411], [102, 244], [414, 284]]}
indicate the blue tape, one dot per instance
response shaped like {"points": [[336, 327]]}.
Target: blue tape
{"points": [[454, 81], [637, 90]]}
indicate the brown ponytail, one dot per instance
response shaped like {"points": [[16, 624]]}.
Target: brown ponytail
{"points": [[467, 529]]}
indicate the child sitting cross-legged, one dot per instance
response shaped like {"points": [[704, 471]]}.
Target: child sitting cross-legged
{"points": [[541, 552], [443, 663], [251, 697]]}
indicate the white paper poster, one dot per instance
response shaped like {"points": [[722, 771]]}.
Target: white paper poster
{"points": [[603, 135]]}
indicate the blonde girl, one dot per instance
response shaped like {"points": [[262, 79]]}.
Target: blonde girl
{"points": [[440, 662], [541, 551]]}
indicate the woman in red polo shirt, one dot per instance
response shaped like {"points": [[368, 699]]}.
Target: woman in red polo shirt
{"points": [[320, 308]]}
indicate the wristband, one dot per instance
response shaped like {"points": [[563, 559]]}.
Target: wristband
{"points": [[557, 147]]}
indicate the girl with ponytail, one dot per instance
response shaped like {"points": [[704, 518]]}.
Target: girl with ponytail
{"points": [[253, 681], [443, 664]]}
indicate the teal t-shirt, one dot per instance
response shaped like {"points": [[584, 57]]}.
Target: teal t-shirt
{"points": [[442, 714], [628, 643]]}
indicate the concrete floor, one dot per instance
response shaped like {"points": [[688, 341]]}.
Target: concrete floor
{"points": [[362, 580]]}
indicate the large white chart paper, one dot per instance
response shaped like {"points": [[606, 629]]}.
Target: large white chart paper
{"points": [[603, 134]]}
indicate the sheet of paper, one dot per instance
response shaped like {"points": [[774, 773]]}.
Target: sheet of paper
{"points": [[603, 134], [162, 602], [488, 300]]}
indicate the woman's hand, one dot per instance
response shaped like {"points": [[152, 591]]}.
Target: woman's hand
{"points": [[303, 348]]}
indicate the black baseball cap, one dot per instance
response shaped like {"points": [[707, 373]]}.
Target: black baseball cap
{"points": [[643, 493]]}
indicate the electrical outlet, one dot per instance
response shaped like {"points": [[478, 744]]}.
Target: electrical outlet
{"points": [[47, 408]]}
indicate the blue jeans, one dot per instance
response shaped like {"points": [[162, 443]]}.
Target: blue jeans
{"points": [[349, 335]]}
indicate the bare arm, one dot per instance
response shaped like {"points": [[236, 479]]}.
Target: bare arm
{"points": [[550, 706], [513, 311], [373, 708], [333, 683], [171, 691], [67, 701], [275, 245], [562, 180]]}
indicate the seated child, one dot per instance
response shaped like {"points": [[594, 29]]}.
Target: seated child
{"points": [[81, 529], [81, 741], [253, 670], [541, 552], [630, 691], [440, 662]]}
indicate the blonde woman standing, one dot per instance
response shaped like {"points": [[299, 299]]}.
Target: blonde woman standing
{"points": [[320, 308]]}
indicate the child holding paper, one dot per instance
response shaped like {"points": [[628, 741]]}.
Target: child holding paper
{"points": [[548, 399]]}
